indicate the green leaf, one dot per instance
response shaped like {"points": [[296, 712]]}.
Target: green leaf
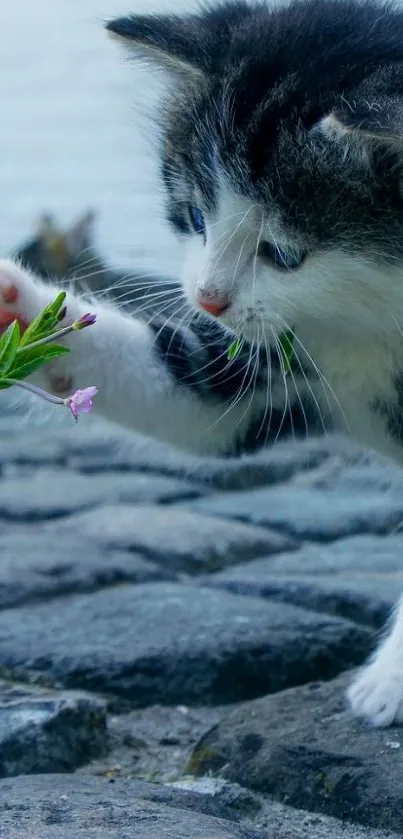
{"points": [[31, 359], [9, 343], [234, 349], [287, 349], [4, 383], [44, 323], [44, 351]]}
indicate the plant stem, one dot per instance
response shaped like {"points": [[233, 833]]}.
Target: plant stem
{"points": [[37, 391], [47, 340]]}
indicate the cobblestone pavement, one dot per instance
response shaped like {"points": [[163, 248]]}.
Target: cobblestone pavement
{"points": [[176, 637]]}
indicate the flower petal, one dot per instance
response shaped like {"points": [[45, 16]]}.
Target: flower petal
{"points": [[81, 401], [85, 320], [89, 392]]}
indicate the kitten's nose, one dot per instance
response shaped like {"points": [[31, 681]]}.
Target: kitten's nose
{"points": [[213, 305]]}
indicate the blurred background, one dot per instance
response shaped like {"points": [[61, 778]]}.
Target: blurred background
{"points": [[74, 132]]}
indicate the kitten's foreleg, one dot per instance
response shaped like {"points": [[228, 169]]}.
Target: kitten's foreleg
{"points": [[377, 692], [160, 381]]}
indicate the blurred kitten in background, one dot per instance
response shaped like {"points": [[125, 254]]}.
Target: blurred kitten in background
{"points": [[69, 256]]}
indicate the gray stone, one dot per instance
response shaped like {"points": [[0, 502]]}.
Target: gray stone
{"points": [[309, 513], [67, 807], [357, 578], [71, 807], [210, 796], [106, 449], [354, 555], [288, 823], [260, 469], [236, 802], [43, 731], [53, 493], [37, 566], [180, 539], [171, 643], [281, 822], [303, 747], [154, 743], [96, 446], [366, 601], [30, 452], [371, 473], [22, 446]]}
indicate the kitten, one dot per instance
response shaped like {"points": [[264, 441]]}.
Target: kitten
{"points": [[282, 160], [54, 253], [71, 257]]}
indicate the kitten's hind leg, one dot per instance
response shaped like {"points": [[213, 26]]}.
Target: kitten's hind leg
{"points": [[377, 692]]}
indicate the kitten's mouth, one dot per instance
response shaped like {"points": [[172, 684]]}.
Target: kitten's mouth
{"points": [[254, 329], [248, 332], [248, 327]]}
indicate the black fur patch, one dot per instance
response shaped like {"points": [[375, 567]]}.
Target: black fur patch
{"points": [[197, 359], [296, 421]]}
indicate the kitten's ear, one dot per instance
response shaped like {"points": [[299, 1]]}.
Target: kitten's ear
{"points": [[188, 46], [79, 236], [169, 42], [47, 226], [380, 121]]}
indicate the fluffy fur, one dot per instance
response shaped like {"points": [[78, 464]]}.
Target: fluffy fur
{"points": [[282, 159]]}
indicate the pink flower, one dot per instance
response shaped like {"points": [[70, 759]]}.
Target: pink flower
{"points": [[81, 401]]}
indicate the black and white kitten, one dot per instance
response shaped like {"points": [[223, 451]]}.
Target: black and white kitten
{"points": [[282, 159]]}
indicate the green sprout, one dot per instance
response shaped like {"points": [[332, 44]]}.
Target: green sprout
{"points": [[234, 349], [286, 346], [287, 350]]}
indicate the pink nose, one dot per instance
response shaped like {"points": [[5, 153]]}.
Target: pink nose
{"points": [[214, 306]]}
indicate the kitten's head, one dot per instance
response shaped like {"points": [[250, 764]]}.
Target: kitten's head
{"points": [[282, 157], [54, 253]]}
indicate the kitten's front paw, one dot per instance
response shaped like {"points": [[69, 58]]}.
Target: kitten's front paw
{"points": [[377, 693], [21, 298]]}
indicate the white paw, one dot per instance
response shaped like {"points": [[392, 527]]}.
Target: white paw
{"points": [[21, 296], [377, 693]]}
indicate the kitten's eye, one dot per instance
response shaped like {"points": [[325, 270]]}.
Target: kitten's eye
{"points": [[281, 259], [197, 220]]}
